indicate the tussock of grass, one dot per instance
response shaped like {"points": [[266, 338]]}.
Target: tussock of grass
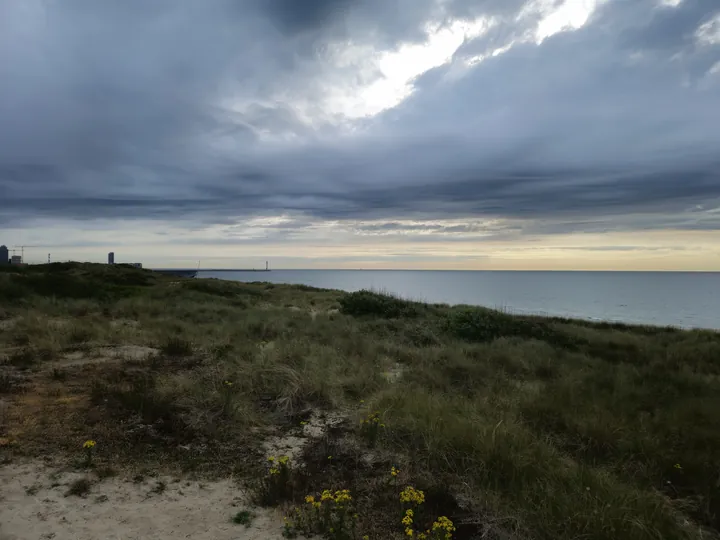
{"points": [[176, 346], [78, 334], [23, 358], [9, 382], [79, 488], [514, 427], [243, 517]]}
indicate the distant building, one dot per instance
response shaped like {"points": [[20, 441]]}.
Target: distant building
{"points": [[136, 265], [16, 259], [4, 255], [111, 257]]}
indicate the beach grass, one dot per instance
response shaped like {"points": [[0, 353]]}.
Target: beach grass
{"points": [[512, 426]]}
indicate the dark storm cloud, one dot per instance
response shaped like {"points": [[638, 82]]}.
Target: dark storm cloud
{"points": [[307, 15], [388, 22], [198, 112]]}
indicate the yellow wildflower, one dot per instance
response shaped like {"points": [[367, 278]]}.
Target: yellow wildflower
{"points": [[394, 471], [310, 499], [677, 466], [283, 460], [412, 495], [342, 496], [444, 524], [89, 444]]}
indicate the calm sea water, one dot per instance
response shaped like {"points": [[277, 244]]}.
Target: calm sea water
{"points": [[684, 299]]}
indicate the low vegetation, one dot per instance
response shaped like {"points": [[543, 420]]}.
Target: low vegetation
{"points": [[79, 488], [508, 426], [243, 517]]}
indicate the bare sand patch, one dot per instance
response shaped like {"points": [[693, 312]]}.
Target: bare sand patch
{"points": [[7, 324], [124, 323], [58, 323], [34, 505], [106, 354], [395, 373], [293, 443]]}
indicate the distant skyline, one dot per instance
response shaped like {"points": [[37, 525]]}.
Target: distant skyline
{"points": [[429, 134]]}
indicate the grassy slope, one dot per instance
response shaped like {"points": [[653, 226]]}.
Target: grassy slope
{"points": [[517, 426]]}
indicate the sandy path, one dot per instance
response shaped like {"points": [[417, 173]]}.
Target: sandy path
{"points": [[33, 506]]}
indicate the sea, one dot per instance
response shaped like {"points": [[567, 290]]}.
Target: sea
{"points": [[681, 299]]}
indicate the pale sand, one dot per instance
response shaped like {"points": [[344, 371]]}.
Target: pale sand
{"points": [[33, 506]]}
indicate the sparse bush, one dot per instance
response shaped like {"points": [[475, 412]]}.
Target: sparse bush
{"points": [[370, 427], [277, 485]]}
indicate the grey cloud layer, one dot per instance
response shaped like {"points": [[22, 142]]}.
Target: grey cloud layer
{"points": [[161, 109]]}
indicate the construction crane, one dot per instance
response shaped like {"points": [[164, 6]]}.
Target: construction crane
{"points": [[22, 251]]}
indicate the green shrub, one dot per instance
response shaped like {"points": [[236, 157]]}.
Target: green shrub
{"points": [[482, 324], [365, 302]]}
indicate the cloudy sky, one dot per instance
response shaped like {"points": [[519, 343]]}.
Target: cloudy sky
{"points": [[468, 134]]}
